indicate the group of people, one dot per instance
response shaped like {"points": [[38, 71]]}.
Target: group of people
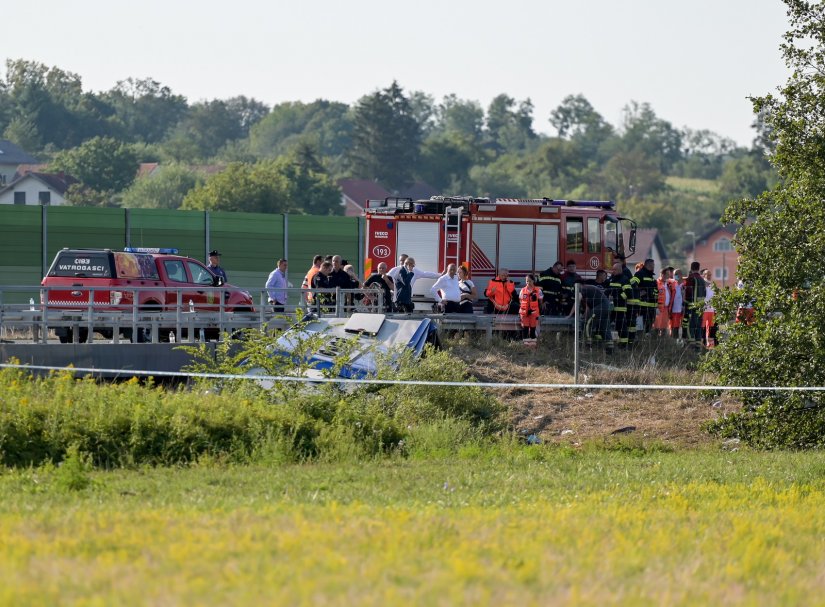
{"points": [[627, 302]]}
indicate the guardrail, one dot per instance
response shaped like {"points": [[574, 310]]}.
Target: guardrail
{"points": [[190, 321]]}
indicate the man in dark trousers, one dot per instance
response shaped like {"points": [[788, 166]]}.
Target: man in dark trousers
{"points": [[648, 293], [695, 290], [597, 315], [618, 291], [550, 283], [568, 286]]}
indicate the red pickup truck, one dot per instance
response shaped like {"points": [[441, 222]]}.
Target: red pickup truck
{"points": [[118, 276]]}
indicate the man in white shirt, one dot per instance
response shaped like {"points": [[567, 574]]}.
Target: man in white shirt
{"points": [[449, 297], [393, 272], [276, 286]]}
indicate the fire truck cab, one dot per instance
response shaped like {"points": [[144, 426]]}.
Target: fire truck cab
{"points": [[523, 235]]}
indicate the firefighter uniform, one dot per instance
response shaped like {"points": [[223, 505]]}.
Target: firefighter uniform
{"points": [[619, 291], [568, 291], [648, 296], [550, 283]]}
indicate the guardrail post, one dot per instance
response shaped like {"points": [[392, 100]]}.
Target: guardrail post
{"points": [[338, 303], [178, 296], [90, 324], [135, 301]]}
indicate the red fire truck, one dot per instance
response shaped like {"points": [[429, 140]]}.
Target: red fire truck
{"points": [[522, 235]]}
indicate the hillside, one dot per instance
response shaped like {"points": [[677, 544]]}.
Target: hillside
{"points": [[575, 416]]}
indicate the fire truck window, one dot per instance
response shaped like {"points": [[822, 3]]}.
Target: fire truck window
{"points": [[594, 235], [610, 236], [175, 270], [575, 235], [200, 275]]}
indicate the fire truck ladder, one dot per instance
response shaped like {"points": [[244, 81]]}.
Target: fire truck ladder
{"points": [[452, 233]]}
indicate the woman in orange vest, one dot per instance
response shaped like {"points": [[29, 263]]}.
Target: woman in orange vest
{"points": [[530, 300]]}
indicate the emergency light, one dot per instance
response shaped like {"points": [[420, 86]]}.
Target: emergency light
{"points": [[160, 250]]}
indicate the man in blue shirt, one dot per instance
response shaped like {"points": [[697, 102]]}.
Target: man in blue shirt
{"points": [[215, 265], [276, 286]]}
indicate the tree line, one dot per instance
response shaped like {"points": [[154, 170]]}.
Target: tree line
{"points": [[241, 154]]}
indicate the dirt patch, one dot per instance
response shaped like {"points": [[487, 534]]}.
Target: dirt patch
{"points": [[577, 415]]}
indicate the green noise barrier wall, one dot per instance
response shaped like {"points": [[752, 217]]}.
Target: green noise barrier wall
{"points": [[250, 243]]}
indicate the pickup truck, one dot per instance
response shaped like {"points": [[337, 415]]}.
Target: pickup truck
{"points": [[119, 276]]}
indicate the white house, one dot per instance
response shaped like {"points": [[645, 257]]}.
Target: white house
{"points": [[37, 188], [11, 156]]}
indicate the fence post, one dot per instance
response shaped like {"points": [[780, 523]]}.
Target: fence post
{"points": [[127, 227], [576, 334], [207, 228], [44, 239]]}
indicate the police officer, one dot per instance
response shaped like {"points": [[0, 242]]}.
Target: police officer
{"points": [[215, 265]]}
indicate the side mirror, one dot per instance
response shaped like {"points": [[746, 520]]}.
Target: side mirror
{"points": [[217, 281]]}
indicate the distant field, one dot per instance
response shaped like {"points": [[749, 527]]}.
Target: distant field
{"points": [[686, 184], [537, 525]]}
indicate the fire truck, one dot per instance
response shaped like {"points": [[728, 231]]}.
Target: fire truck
{"points": [[523, 235]]}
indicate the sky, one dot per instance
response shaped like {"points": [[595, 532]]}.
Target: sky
{"points": [[695, 62]]}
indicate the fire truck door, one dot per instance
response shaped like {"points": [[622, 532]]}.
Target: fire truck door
{"points": [[420, 240]]}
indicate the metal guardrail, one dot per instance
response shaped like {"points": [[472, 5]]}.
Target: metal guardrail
{"points": [[196, 322]]}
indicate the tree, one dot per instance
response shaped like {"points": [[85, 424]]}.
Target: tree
{"points": [[102, 164], [461, 117], [144, 110], [510, 128], [326, 125], [781, 243], [644, 132], [207, 127], [292, 184], [385, 139], [164, 190]]}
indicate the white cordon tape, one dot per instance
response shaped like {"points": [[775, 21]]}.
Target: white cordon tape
{"points": [[407, 382]]}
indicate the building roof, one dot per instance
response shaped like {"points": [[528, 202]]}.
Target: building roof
{"points": [[358, 191], [147, 168], [57, 182], [646, 240], [11, 153]]}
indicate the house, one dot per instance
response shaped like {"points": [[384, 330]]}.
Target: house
{"points": [[714, 251], [11, 156], [649, 246], [37, 188], [356, 192]]}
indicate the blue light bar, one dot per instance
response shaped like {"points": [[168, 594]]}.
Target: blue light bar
{"points": [[161, 250]]}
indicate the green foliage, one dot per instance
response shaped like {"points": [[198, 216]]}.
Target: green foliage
{"points": [[73, 472], [386, 137], [60, 418], [782, 244], [102, 164], [268, 186], [165, 189]]}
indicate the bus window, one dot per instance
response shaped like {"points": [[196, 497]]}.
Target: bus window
{"points": [[594, 235], [575, 235]]}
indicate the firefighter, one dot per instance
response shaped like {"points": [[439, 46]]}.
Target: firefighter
{"points": [[695, 291], [307, 284], [530, 300], [648, 293], [500, 293], [633, 304], [619, 291], [568, 287], [550, 283]]}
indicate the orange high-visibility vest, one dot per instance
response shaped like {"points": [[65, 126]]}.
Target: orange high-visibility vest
{"points": [[500, 292]]}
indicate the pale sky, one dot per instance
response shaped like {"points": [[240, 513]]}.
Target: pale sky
{"points": [[695, 62]]}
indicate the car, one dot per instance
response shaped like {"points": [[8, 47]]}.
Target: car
{"points": [[150, 279]]}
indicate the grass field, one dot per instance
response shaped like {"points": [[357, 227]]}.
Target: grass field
{"points": [[510, 524]]}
